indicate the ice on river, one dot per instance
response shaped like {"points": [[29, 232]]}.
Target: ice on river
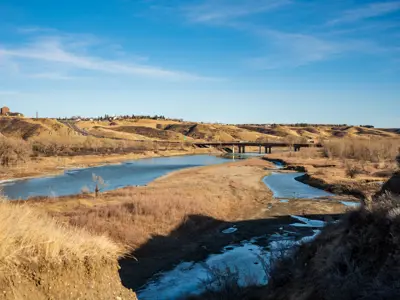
{"points": [[249, 261], [307, 222]]}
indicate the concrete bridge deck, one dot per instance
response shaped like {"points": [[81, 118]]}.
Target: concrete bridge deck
{"points": [[267, 146]]}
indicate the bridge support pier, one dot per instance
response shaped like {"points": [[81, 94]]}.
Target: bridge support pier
{"points": [[259, 149]]}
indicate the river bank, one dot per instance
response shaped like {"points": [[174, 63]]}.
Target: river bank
{"points": [[333, 175], [181, 216], [54, 165]]}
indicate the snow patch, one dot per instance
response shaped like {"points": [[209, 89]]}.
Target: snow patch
{"points": [[229, 230], [307, 222]]}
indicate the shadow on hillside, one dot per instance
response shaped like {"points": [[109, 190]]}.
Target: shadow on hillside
{"points": [[194, 240]]}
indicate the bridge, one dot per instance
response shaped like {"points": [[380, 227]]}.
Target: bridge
{"points": [[242, 146]]}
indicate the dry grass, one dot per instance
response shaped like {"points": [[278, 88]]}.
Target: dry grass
{"points": [[29, 236], [373, 150], [137, 216], [352, 170], [132, 215]]}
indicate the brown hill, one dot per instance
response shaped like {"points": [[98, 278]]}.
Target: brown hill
{"points": [[150, 132], [30, 128], [179, 131]]}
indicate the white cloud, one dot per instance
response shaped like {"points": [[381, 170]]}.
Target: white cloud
{"points": [[214, 11], [63, 53], [369, 11], [294, 50], [290, 50], [52, 76]]}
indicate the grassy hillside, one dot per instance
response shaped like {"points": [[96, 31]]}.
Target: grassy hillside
{"points": [[32, 128], [150, 132], [145, 129]]}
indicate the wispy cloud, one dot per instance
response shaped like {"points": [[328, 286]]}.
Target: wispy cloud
{"points": [[52, 76], [35, 29], [73, 55], [215, 11], [291, 50], [366, 12]]}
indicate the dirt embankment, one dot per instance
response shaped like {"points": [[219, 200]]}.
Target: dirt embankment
{"points": [[42, 259], [77, 280]]}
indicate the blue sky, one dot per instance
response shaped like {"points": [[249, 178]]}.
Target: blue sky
{"points": [[235, 61]]}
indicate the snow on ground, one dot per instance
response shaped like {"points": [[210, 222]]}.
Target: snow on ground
{"points": [[351, 204]]}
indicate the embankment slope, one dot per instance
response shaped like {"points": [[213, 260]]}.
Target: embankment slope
{"points": [[43, 259]]}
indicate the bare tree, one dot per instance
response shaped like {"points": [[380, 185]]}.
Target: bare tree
{"points": [[100, 184]]}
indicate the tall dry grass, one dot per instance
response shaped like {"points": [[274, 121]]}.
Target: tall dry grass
{"points": [[135, 217], [373, 150], [30, 236]]}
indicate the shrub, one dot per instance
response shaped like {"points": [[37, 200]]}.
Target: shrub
{"points": [[373, 150], [352, 170], [14, 151]]}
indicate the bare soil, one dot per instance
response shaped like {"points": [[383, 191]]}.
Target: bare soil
{"points": [[75, 281]]}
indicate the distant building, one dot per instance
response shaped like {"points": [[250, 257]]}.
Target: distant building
{"points": [[4, 111], [15, 114]]}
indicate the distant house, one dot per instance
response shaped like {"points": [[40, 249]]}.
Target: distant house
{"points": [[4, 111]]}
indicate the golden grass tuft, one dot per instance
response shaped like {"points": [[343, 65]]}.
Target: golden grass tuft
{"points": [[29, 236]]}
